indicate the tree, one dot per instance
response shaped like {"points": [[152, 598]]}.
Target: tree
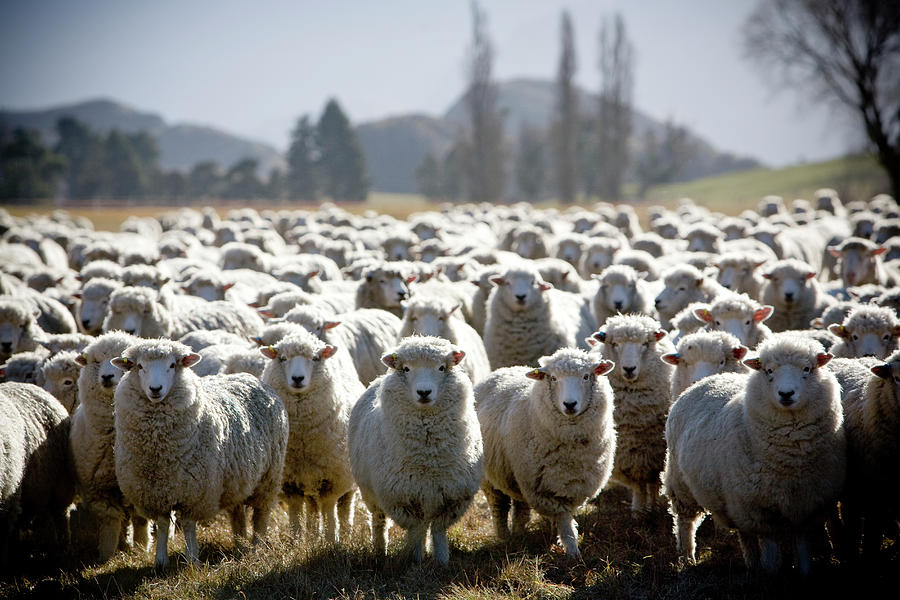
{"points": [[663, 157], [342, 164], [126, 175], [241, 181], [565, 126], [614, 113], [587, 154], [276, 186], [846, 51], [302, 179], [428, 177], [485, 172], [84, 151], [204, 180], [28, 169], [454, 169], [530, 163]]}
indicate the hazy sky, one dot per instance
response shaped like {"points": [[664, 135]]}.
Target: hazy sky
{"points": [[253, 67]]}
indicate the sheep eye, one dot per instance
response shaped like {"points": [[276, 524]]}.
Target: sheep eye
{"points": [[67, 382], [172, 366], [722, 362], [681, 289], [587, 376], [806, 369], [441, 368], [406, 369], [140, 367], [413, 318], [719, 323], [769, 371], [855, 337], [281, 359], [553, 378], [747, 322], [886, 337]]}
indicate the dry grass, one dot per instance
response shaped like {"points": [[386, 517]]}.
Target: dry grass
{"points": [[623, 558]]}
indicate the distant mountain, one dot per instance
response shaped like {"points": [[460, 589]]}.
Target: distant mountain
{"points": [[181, 146], [394, 147]]}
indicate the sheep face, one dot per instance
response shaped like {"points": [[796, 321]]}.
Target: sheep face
{"points": [[13, 326], [427, 319], [569, 388], [699, 359], [208, 288], [738, 321], [298, 276], [733, 275], [60, 383], [872, 340], [702, 241], [677, 291], [785, 378], [397, 250], [156, 375], [423, 377], [629, 351], [520, 290], [569, 251], [858, 262], [617, 291], [526, 244], [391, 287], [299, 368], [789, 283], [890, 373], [599, 256]]}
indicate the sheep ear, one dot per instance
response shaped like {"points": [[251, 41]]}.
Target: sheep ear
{"points": [[643, 275], [536, 374], [255, 339], [475, 282], [390, 360], [816, 323], [763, 313], [268, 351], [81, 359], [77, 295], [498, 281], [453, 310], [544, 286], [660, 334], [823, 358], [600, 336], [412, 278], [227, 286], [739, 352], [703, 314], [3, 372], [671, 358], [883, 371], [603, 367], [163, 281], [331, 324], [565, 276], [456, 356], [190, 360], [312, 274], [810, 275], [767, 276], [328, 351], [699, 281], [877, 251], [253, 304], [839, 330], [753, 363], [122, 363], [591, 341], [265, 312], [834, 252], [79, 278]]}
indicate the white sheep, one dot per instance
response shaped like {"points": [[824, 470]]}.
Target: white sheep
{"points": [[24, 367], [385, 286], [94, 297], [439, 318], [528, 319], [740, 316], [415, 444], [738, 272], [92, 438], [598, 254], [764, 453], [195, 445], [317, 385], [641, 383], [36, 477], [549, 440], [795, 294], [859, 262], [684, 284], [60, 377], [704, 353], [867, 331], [19, 330]]}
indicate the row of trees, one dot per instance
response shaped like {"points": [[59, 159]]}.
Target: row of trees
{"points": [[325, 158]]}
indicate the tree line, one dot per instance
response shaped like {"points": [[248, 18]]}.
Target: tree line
{"points": [[325, 159]]}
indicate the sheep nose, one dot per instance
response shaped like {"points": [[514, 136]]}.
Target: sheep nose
{"points": [[570, 407], [401, 295], [297, 379], [86, 323], [656, 303], [788, 296], [129, 331], [629, 371], [155, 388], [618, 304], [7, 347], [727, 286], [786, 397], [423, 395], [520, 297]]}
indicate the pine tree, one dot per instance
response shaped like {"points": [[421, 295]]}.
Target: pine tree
{"points": [[614, 116], [428, 177], [302, 179], [341, 161], [28, 169], [530, 163], [565, 125]]}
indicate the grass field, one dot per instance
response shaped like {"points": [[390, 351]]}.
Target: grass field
{"points": [[623, 557]]}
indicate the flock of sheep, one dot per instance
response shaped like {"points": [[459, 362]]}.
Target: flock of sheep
{"points": [[741, 367]]}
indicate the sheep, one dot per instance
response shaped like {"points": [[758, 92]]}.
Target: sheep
{"points": [[19, 330], [562, 275], [138, 311], [740, 316], [686, 321], [92, 309], [415, 444], [65, 342], [103, 269], [570, 248], [60, 377], [859, 262], [641, 261], [549, 440], [279, 304], [385, 286], [872, 422], [641, 383], [528, 242], [795, 295], [889, 299], [204, 338], [238, 255], [701, 354], [528, 319], [91, 439], [36, 476], [684, 284], [598, 254], [437, 317], [248, 361], [318, 392], [764, 453], [737, 271], [24, 367], [834, 314], [198, 445], [867, 331], [482, 281], [621, 289]]}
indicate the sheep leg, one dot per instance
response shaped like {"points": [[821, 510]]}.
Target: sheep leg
{"points": [[637, 498], [312, 518], [415, 541], [345, 513], [379, 531], [190, 541], [295, 511], [750, 550], [440, 544], [261, 514], [141, 532], [652, 495], [801, 554], [499, 504], [521, 515], [162, 543], [770, 555], [238, 523], [126, 534], [685, 526], [327, 507], [568, 534], [110, 531]]}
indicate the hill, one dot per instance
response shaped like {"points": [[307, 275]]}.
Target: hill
{"points": [[181, 146]]}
